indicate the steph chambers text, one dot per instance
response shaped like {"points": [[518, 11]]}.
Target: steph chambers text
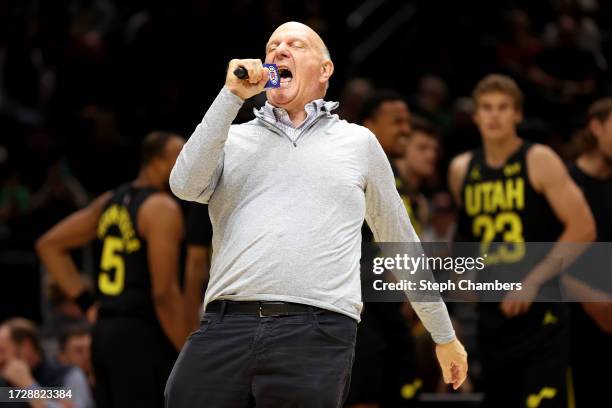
{"points": [[464, 284]]}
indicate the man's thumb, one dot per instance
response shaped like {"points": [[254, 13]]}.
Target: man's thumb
{"points": [[447, 375]]}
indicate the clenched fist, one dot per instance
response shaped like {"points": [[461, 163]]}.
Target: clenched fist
{"points": [[254, 84]]}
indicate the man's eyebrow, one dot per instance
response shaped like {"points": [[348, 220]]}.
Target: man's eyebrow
{"points": [[304, 41], [289, 40]]}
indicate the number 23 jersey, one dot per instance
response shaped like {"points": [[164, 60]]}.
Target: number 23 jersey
{"points": [[503, 211]]}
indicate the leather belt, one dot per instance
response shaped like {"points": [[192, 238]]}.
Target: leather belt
{"points": [[261, 308]]}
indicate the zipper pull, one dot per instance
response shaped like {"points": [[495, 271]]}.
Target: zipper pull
{"points": [[294, 144]]}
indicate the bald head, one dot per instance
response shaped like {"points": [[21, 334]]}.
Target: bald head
{"points": [[317, 41]]}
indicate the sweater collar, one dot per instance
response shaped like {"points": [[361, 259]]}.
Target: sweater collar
{"points": [[273, 114]]}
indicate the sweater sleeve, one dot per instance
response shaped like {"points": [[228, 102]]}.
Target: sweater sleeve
{"points": [[388, 219], [200, 163]]}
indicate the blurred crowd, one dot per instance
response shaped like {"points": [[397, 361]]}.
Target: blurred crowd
{"points": [[82, 82]]}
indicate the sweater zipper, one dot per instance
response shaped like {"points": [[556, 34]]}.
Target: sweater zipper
{"points": [[310, 126], [280, 132]]}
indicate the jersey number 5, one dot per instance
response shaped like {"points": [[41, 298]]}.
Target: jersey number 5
{"points": [[112, 259]]}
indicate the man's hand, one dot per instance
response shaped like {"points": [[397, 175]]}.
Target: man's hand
{"points": [[518, 302], [453, 361], [17, 373], [253, 85]]}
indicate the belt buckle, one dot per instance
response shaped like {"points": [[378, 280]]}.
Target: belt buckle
{"points": [[261, 313]]}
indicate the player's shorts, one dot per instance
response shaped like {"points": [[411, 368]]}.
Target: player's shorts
{"points": [[525, 359], [132, 360]]}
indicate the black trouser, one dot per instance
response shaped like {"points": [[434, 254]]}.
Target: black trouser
{"points": [[237, 360], [132, 359]]}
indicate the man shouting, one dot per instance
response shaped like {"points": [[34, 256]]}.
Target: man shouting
{"points": [[287, 195]]}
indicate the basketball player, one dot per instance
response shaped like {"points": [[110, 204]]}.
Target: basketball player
{"points": [[141, 323], [513, 191], [592, 321]]}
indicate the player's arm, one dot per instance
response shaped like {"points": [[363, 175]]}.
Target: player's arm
{"points": [[456, 175], [601, 313], [55, 245], [389, 222], [549, 176], [196, 274], [160, 222]]}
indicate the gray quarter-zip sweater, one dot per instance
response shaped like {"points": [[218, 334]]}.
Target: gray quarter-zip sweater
{"points": [[287, 212]]}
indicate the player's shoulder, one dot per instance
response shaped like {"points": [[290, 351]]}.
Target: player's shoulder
{"points": [[159, 211], [457, 171], [460, 162], [102, 200], [544, 166], [542, 159], [158, 202], [538, 152]]}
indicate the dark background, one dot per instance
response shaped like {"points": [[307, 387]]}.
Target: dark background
{"points": [[83, 81]]}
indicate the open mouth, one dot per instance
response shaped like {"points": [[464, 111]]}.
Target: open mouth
{"points": [[285, 75]]}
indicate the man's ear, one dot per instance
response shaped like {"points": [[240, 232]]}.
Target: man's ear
{"points": [[596, 128], [327, 69]]}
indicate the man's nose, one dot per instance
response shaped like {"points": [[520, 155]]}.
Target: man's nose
{"points": [[282, 50]]}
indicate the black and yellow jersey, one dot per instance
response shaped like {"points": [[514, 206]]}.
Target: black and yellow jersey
{"points": [[123, 279], [503, 211]]}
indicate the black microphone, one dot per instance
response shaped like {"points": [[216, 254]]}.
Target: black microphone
{"points": [[241, 72]]}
